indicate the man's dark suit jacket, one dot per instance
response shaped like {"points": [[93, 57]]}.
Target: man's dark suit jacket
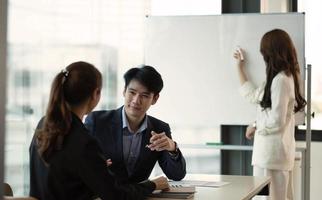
{"points": [[79, 171], [106, 126]]}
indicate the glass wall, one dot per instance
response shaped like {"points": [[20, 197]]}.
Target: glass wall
{"points": [[44, 37]]}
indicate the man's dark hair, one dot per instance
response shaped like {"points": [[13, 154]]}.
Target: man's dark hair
{"points": [[147, 76]]}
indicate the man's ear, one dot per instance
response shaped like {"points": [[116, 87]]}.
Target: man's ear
{"points": [[97, 94], [155, 99], [124, 91]]}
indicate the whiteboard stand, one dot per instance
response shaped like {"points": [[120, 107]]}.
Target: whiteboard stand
{"points": [[308, 134]]}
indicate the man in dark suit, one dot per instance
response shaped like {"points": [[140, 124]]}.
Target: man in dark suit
{"points": [[133, 141]]}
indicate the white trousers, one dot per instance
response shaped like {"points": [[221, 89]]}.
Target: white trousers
{"points": [[281, 187]]}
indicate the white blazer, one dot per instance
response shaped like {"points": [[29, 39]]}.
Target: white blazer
{"points": [[274, 142]]}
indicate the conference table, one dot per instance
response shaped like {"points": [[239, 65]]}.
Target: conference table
{"points": [[238, 187]]}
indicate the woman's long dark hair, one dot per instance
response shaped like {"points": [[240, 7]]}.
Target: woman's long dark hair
{"points": [[280, 55], [71, 87]]}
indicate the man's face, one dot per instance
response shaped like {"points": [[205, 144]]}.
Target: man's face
{"points": [[137, 100]]}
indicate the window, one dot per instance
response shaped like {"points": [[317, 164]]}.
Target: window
{"points": [[313, 31], [44, 37]]}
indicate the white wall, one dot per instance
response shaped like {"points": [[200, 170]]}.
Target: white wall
{"points": [[316, 175]]}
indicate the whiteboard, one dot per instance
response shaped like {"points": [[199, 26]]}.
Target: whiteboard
{"points": [[194, 55]]}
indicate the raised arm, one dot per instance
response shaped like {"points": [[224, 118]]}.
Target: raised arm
{"points": [[247, 90]]}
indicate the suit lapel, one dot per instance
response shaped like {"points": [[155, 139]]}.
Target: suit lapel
{"points": [[116, 130]]}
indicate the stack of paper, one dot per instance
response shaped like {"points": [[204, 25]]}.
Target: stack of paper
{"points": [[187, 183]]}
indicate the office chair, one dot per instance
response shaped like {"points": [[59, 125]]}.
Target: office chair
{"points": [[8, 194], [18, 198], [7, 191]]}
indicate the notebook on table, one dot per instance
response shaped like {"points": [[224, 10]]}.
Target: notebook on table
{"points": [[175, 192]]}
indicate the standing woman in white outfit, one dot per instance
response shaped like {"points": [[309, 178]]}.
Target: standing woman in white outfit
{"points": [[278, 99]]}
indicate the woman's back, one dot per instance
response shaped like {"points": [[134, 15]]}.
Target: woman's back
{"points": [[69, 175]]}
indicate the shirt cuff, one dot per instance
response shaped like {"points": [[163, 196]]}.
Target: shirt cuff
{"points": [[149, 185], [174, 154]]}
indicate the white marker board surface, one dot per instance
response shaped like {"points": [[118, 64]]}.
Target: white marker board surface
{"points": [[194, 55]]}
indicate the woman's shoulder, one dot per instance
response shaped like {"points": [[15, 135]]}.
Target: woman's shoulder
{"points": [[79, 131], [282, 78], [282, 82], [79, 135], [281, 75]]}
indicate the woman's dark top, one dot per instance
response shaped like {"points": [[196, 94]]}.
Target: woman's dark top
{"points": [[79, 171]]}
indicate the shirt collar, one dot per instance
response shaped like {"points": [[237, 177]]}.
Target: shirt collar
{"points": [[125, 122]]}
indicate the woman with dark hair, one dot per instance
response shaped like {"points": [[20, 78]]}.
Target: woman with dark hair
{"points": [[65, 161], [278, 99]]}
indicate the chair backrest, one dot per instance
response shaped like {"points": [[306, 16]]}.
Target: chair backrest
{"points": [[8, 194], [7, 191]]}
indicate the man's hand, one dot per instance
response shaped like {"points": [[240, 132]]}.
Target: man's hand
{"points": [[160, 142], [108, 162], [161, 183]]}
